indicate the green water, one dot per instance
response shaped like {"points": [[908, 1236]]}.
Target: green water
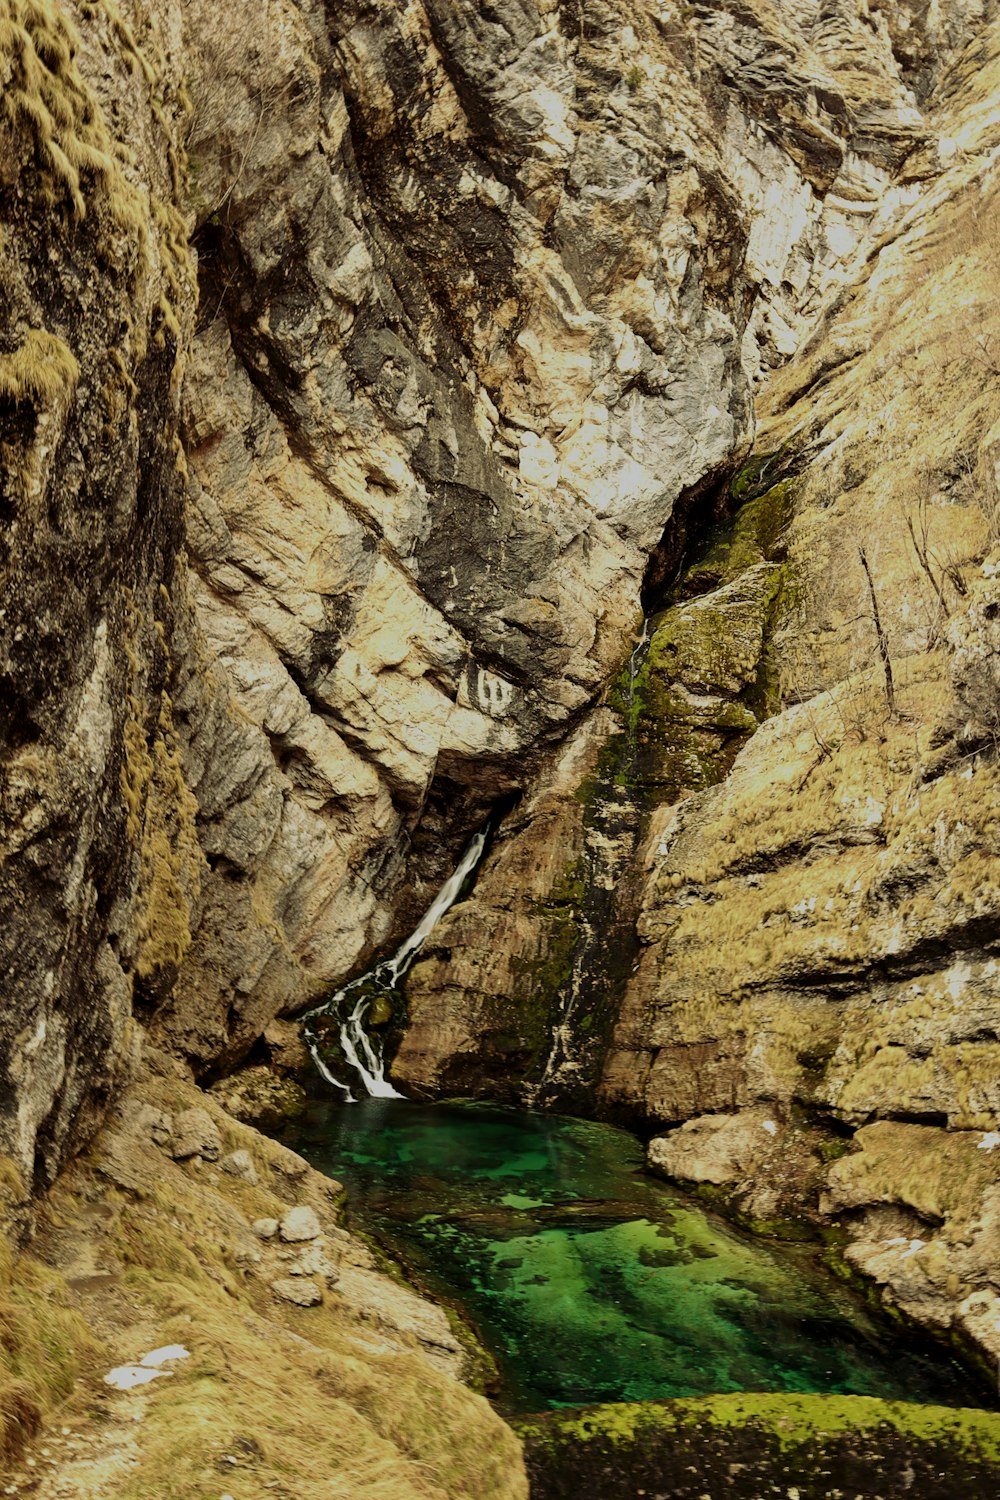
{"points": [[590, 1281]]}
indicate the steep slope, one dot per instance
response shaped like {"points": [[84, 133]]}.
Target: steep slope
{"points": [[308, 1372], [96, 824]]}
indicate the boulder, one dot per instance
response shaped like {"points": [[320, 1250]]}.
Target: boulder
{"points": [[196, 1134], [297, 1289], [299, 1224]]}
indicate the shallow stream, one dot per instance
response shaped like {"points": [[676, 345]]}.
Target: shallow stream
{"points": [[586, 1278]]}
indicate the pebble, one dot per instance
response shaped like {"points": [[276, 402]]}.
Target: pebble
{"points": [[299, 1224], [265, 1229]]}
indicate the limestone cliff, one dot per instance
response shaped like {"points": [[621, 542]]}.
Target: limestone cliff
{"points": [[814, 1011], [354, 359], [822, 927], [810, 179], [482, 291]]}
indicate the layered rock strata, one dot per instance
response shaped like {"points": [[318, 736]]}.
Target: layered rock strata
{"points": [[291, 592], [482, 289], [820, 929], [814, 1012], [825, 136]]}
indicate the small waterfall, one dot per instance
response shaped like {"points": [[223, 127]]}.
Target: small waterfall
{"points": [[611, 836], [638, 656], [359, 1049]]}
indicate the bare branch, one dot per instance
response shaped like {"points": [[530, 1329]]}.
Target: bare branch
{"points": [[883, 640]]}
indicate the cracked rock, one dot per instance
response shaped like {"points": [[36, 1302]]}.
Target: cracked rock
{"points": [[196, 1134]]}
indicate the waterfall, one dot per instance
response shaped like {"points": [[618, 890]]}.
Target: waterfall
{"points": [[360, 1050], [638, 656], [611, 837]]}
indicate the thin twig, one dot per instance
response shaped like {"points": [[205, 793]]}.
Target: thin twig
{"points": [[883, 641]]}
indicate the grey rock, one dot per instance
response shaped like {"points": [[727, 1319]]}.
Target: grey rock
{"points": [[288, 1163], [196, 1134], [717, 1149], [240, 1164], [314, 1261], [155, 1123], [265, 1229], [298, 1224]]}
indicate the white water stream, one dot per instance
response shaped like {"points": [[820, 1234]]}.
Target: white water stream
{"points": [[560, 1061], [357, 1046]]}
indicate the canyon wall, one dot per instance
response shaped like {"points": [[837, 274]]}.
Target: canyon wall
{"points": [[825, 187], [353, 362], [296, 584], [812, 1018]]}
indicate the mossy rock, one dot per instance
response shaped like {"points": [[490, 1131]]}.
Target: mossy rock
{"points": [[745, 1446], [381, 1010], [749, 477], [754, 535], [713, 645]]}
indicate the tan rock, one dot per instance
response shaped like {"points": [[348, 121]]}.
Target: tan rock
{"points": [[298, 1290], [195, 1134], [714, 1148]]}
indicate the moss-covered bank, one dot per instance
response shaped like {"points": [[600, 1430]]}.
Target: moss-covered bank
{"points": [[749, 1446]]}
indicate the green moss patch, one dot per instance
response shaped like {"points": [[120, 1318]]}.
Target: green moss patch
{"points": [[747, 1445]]}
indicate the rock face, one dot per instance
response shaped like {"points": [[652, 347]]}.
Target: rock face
{"points": [[505, 966], [482, 291], [98, 857], [820, 929], [818, 932], [293, 589]]}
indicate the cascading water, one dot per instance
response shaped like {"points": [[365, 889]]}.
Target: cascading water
{"points": [[359, 1049], [638, 656], [617, 823]]}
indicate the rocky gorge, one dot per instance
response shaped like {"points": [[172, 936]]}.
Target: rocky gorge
{"points": [[367, 372]]}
